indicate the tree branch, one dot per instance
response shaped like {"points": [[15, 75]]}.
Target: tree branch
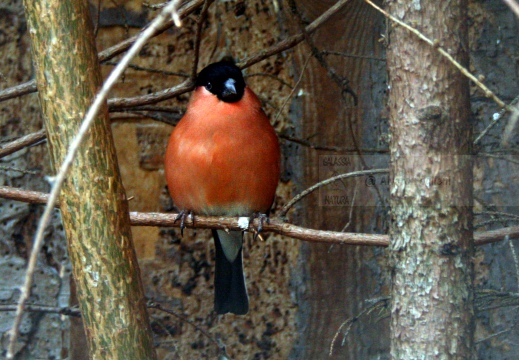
{"points": [[311, 189], [292, 41], [24, 141], [111, 52], [187, 85], [276, 225]]}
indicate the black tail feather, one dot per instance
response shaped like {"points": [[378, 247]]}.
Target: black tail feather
{"points": [[230, 292]]}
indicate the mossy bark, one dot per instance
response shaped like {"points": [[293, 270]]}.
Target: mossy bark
{"points": [[93, 202]]}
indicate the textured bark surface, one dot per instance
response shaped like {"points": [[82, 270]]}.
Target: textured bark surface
{"points": [[93, 202], [431, 190]]}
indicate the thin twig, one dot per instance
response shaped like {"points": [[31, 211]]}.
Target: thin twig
{"points": [[153, 305], [198, 37], [311, 145], [497, 213], [150, 70], [382, 302], [499, 333], [486, 223], [497, 116], [170, 10], [292, 41], [341, 81], [501, 157], [277, 78], [513, 5], [488, 93], [287, 99], [488, 299], [165, 109], [18, 90], [68, 311], [23, 171], [314, 187], [434, 43], [494, 216], [355, 56]]}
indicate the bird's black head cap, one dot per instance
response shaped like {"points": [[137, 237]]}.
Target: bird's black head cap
{"points": [[224, 79]]}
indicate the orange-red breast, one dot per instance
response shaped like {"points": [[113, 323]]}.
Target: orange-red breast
{"points": [[223, 159]]}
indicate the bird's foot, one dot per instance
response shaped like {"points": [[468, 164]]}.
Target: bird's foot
{"points": [[262, 218], [182, 216]]}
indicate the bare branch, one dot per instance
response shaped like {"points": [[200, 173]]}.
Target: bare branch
{"points": [[183, 87], [187, 85], [198, 37], [376, 305], [44, 309], [435, 44], [287, 99], [155, 305], [150, 70], [497, 116], [111, 52], [22, 142], [341, 81], [311, 145], [314, 187], [18, 90], [292, 41], [276, 225], [513, 5]]}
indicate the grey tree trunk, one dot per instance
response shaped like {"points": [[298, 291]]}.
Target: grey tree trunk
{"points": [[431, 190]]}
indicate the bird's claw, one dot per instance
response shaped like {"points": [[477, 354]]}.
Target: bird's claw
{"points": [[182, 215], [261, 220]]}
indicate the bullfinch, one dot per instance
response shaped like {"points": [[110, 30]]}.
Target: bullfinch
{"points": [[223, 159]]}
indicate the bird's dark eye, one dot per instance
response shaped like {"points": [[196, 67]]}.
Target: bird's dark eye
{"points": [[209, 86]]}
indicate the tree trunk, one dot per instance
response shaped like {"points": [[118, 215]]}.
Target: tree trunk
{"points": [[431, 190], [93, 202]]}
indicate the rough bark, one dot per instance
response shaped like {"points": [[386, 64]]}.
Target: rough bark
{"points": [[93, 203], [431, 191]]}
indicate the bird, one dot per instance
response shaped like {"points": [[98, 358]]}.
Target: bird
{"points": [[223, 159]]}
